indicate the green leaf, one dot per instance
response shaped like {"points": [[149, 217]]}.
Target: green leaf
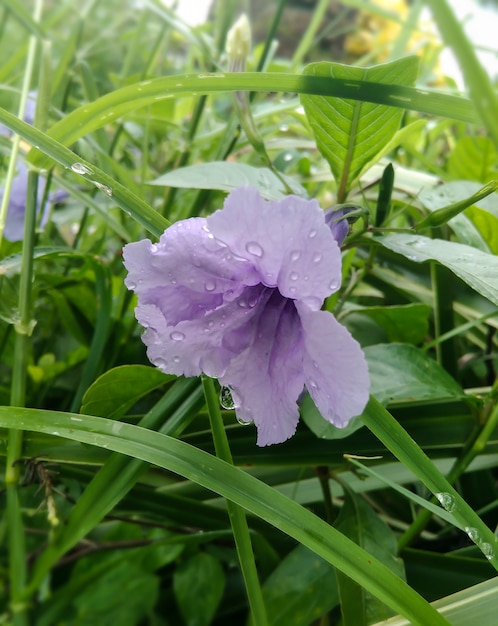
{"points": [[300, 590], [404, 324], [362, 525], [476, 268], [116, 391], [487, 225], [474, 158], [350, 133], [320, 426], [198, 584], [402, 372], [246, 491], [225, 176]]}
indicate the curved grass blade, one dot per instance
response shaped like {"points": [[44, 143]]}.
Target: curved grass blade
{"points": [[128, 201], [90, 117], [238, 487]]}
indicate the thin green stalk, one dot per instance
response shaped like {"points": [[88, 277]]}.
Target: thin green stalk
{"points": [[398, 441], [236, 513], [23, 328]]}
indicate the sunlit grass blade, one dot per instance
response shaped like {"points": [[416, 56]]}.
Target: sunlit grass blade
{"points": [[239, 487]]}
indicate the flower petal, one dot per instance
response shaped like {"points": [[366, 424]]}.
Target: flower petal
{"points": [[205, 344], [186, 273], [335, 370], [267, 378], [286, 240]]}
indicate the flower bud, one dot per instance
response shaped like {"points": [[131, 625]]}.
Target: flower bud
{"points": [[238, 44]]}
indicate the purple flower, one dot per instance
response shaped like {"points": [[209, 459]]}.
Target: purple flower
{"points": [[14, 225], [237, 295]]}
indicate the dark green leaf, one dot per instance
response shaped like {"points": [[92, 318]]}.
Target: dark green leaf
{"points": [[116, 391], [300, 590], [478, 269], [360, 523], [405, 324], [198, 584], [403, 372]]}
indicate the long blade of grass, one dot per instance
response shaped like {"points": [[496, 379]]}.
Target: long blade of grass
{"points": [[239, 487]]}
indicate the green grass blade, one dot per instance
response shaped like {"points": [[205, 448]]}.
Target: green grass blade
{"points": [[108, 108], [128, 201], [244, 490]]}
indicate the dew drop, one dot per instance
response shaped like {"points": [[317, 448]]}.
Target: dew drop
{"points": [[287, 157], [160, 362], [176, 359], [473, 534], [334, 284], [226, 399], [447, 501], [293, 275], [176, 335], [487, 550], [244, 422], [154, 248], [313, 385], [292, 289], [81, 168], [210, 285], [312, 233], [103, 188], [131, 284], [317, 257], [255, 249], [295, 254]]}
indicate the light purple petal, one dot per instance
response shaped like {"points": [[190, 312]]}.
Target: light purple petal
{"points": [[286, 240], [267, 378], [186, 273], [335, 370]]}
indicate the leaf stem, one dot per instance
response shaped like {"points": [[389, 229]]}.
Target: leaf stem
{"points": [[237, 515]]}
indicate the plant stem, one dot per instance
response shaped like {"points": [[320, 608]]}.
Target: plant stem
{"points": [[236, 513]]}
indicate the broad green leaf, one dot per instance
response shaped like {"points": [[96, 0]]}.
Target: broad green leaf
{"points": [[198, 584], [246, 491], [405, 324], [116, 391], [487, 225], [476, 268], [300, 590], [362, 525], [400, 372], [225, 176], [473, 158], [350, 133]]}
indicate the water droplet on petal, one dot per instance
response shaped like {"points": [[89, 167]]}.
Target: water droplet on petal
{"points": [[176, 359], [81, 168], [131, 284], [293, 275], [244, 422], [312, 385], [176, 335], [295, 254], [210, 285], [317, 257], [255, 249], [154, 248], [334, 284], [160, 362], [447, 501], [312, 233]]}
